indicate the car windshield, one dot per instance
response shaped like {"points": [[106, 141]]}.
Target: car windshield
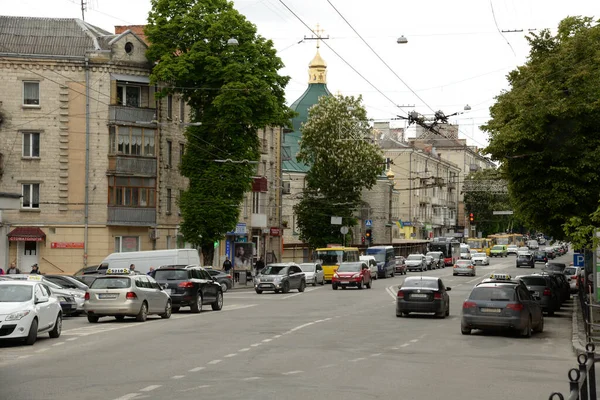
{"points": [[274, 270], [329, 257], [498, 248], [307, 267], [555, 267], [171, 274], [379, 254], [494, 293], [15, 293], [349, 267], [120, 282], [464, 250], [533, 280], [512, 246], [434, 255], [414, 257], [570, 271], [523, 257], [424, 283], [479, 255]]}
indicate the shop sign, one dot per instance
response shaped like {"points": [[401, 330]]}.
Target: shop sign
{"points": [[275, 232], [67, 245]]}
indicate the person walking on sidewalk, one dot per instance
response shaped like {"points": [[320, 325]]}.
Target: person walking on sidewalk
{"points": [[259, 266]]}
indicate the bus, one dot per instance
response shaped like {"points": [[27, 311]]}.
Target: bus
{"points": [[450, 249], [331, 257], [480, 245], [508, 239], [386, 260]]}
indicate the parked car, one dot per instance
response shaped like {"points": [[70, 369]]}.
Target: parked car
{"points": [[423, 294], [190, 286], [512, 249], [438, 258], [27, 309], [223, 278], [430, 262], [372, 263], [314, 273], [71, 300], [525, 260], [400, 265], [352, 274], [541, 289], [550, 253], [67, 282], [121, 296], [498, 250], [416, 262], [503, 305], [464, 267], [280, 277], [573, 273], [480, 258], [540, 256]]}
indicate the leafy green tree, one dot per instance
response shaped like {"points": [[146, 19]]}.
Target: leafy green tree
{"points": [[545, 129], [232, 92], [335, 144]]}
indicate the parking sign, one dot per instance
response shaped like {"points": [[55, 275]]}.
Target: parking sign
{"points": [[578, 260]]}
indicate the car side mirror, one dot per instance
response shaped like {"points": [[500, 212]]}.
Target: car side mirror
{"points": [[39, 300], [448, 289], [163, 286]]}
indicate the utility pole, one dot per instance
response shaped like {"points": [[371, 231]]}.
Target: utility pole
{"points": [[83, 9]]}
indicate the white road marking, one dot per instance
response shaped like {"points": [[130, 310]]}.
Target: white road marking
{"points": [[41, 350], [196, 369], [58, 344], [395, 348], [267, 340], [327, 366], [252, 378], [405, 344], [292, 372], [231, 355], [255, 344], [291, 295], [276, 336], [71, 339], [414, 340], [177, 376], [244, 349], [150, 388], [357, 359], [195, 388], [214, 362], [299, 327], [128, 396], [375, 355], [23, 357]]}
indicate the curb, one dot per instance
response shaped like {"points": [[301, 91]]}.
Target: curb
{"points": [[578, 348], [240, 289]]}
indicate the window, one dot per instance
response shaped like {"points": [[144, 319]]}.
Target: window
{"points": [[169, 153], [31, 93], [30, 249], [31, 144], [181, 110], [169, 107], [131, 191], [134, 141], [181, 152], [129, 95], [124, 244], [256, 203], [31, 195], [168, 201]]}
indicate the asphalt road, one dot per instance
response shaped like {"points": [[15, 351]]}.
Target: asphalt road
{"points": [[319, 344]]}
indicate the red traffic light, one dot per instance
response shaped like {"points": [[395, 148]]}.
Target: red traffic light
{"points": [[471, 218]]}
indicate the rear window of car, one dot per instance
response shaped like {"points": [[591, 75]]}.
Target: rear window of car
{"points": [[523, 257], [463, 262], [534, 281], [120, 282], [493, 293], [555, 267], [570, 271], [424, 283], [498, 248], [171, 274]]}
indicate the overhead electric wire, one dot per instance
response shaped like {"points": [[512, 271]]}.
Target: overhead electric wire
{"points": [[498, 28]]}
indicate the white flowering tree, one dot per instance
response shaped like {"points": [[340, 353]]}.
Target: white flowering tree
{"points": [[337, 145]]}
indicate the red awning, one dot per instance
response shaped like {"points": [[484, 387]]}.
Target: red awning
{"points": [[26, 234]]}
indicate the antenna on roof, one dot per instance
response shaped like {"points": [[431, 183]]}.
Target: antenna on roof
{"points": [[83, 9]]}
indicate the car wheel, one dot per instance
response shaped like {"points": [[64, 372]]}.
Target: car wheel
{"points": [[217, 305], [258, 291], [32, 336], [393, 274], [405, 313], [551, 312], [92, 319], [448, 310], [334, 286], [119, 317], [55, 332], [315, 282], [224, 287], [527, 331], [196, 307], [168, 311], [277, 290], [453, 274], [464, 330], [360, 284], [323, 282], [286, 287], [302, 286], [174, 308], [143, 314], [540, 327]]}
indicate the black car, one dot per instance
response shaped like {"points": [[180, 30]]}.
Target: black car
{"points": [[550, 253], [544, 291], [423, 294], [190, 286], [525, 260], [280, 278], [88, 279], [540, 256], [93, 269], [223, 278], [67, 282]]}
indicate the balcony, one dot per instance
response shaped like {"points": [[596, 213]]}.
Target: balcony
{"points": [[131, 216], [131, 165], [451, 185], [130, 115]]}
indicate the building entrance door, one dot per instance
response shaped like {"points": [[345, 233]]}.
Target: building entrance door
{"points": [[28, 255]]}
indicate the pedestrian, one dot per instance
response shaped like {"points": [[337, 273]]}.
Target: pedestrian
{"points": [[13, 269], [35, 270], [227, 265], [151, 270], [132, 269], [1, 271], [259, 266]]}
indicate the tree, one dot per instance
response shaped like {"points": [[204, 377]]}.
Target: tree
{"points": [[335, 144], [545, 129], [232, 91]]}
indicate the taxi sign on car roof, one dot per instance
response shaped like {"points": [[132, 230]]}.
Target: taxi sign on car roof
{"points": [[117, 271], [34, 278], [500, 277]]}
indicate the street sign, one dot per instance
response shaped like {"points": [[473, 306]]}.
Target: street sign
{"points": [[578, 260], [344, 230], [336, 220], [368, 222], [502, 213]]}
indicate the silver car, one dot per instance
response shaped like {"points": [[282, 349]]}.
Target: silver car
{"points": [[416, 262], [464, 267], [313, 273], [120, 296]]}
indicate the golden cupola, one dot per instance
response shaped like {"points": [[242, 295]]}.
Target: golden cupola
{"points": [[317, 69]]}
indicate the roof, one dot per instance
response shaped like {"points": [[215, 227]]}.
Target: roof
{"points": [[26, 234], [69, 37]]}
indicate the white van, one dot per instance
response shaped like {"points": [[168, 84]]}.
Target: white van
{"points": [[143, 260]]}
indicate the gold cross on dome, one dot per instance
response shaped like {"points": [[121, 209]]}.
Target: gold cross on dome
{"points": [[318, 31]]}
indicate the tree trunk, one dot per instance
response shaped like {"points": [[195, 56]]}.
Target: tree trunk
{"points": [[208, 252]]}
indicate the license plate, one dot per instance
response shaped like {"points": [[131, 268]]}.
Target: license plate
{"points": [[418, 296], [491, 310], [107, 296]]}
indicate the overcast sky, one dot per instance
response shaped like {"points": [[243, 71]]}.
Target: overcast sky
{"points": [[455, 54]]}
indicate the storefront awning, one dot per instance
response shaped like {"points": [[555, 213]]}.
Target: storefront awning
{"points": [[26, 234]]}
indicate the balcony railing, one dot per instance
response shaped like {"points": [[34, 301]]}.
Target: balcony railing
{"points": [[131, 216], [131, 165], [131, 114]]}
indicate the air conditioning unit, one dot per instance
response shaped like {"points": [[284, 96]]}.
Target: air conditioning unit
{"points": [[153, 233], [287, 187]]}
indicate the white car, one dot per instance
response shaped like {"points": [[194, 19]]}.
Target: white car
{"points": [[480, 258], [27, 308], [313, 273], [372, 263], [512, 249]]}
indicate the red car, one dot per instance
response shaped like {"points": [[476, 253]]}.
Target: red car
{"points": [[352, 274]]}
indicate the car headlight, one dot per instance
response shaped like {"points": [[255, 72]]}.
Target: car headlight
{"points": [[355, 275], [17, 315], [277, 279]]}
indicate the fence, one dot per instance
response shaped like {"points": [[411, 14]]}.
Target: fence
{"points": [[582, 380]]}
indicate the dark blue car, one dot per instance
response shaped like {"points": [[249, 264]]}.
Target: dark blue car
{"points": [[540, 256]]}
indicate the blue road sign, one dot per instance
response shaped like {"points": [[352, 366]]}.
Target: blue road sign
{"points": [[368, 222], [578, 260]]}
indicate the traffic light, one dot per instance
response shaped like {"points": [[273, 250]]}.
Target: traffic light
{"points": [[363, 240], [369, 236], [471, 218]]}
